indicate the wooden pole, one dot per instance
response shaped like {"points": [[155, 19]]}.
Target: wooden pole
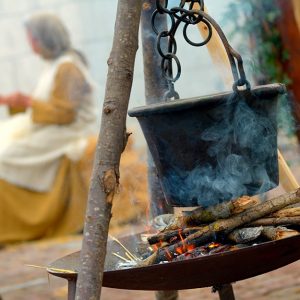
{"points": [[296, 6], [286, 177], [105, 176], [155, 88], [217, 52]]}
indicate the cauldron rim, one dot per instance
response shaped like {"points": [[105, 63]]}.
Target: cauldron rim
{"points": [[268, 91]]}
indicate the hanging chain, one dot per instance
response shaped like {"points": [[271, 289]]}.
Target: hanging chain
{"points": [[191, 16], [177, 15]]}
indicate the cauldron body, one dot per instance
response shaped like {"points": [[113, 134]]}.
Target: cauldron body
{"points": [[213, 149]]}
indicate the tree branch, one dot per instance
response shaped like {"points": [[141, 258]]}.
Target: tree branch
{"points": [[105, 176]]}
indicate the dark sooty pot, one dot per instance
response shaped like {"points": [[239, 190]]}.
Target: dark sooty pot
{"points": [[216, 148]]}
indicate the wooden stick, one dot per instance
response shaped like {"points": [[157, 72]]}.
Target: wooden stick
{"points": [[173, 234], [121, 257], [57, 270], [112, 141], [278, 233], [296, 5], [224, 226], [287, 212], [132, 256], [286, 177], [288, 216], [276, 221], [217, 52], [202, 216], [176, 235]]}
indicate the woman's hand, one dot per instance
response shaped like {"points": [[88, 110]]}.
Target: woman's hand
{"points": [[17, 100]]}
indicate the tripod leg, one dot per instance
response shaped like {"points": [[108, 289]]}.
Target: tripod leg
{"points": [[225, 291]]}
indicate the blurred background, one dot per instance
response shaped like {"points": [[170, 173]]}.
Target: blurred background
{"points": [[265, 32], [91, 25]]}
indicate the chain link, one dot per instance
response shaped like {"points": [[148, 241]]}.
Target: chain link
{"points": [[190, 16], [177, 15]]}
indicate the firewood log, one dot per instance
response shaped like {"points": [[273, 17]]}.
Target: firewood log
{"points": [[202, 216], [286, 212], [268, 221], [223, 226], [276, 221], [278, 233], [171, 235]]}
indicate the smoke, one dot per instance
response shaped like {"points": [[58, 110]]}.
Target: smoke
{"points": [[238, 156]]}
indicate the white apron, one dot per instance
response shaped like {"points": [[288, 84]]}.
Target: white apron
{"points": [[30, 153]]}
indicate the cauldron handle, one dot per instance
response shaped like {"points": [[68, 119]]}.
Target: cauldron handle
{"points": [[238, 71]]}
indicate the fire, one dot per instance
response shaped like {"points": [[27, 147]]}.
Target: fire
{"points": [[179, 250], [182, 240], [154, 248], [190, 247], [168, 254], [185, 247], [214, 245]]}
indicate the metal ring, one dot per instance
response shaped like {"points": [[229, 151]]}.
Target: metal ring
{"points": [[170, 94], [186, 16], [239, 83], [162, 9], [172, 41], [210, 32], [169, 57], [153, 23], [191, 16]]}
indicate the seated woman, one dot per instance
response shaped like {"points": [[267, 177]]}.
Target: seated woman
{"points": [[39, 147], [46, 153]]}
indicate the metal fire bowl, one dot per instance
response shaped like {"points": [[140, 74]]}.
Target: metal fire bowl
{"points": [[199, 272]]}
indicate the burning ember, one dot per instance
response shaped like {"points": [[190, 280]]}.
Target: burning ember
{"points": [[202, 233]]}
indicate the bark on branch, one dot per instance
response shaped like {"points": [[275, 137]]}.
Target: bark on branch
{"points": [[276, 221], [105, 177], [206, 233], [201, 215]]}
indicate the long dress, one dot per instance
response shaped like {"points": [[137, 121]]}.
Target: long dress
{"points": [[61, 119], [42, 192]]}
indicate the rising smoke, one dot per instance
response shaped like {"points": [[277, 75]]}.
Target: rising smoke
{"points": [[239, 149]]}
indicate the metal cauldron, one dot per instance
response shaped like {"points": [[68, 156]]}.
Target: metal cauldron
{"points": [[216, 148]]}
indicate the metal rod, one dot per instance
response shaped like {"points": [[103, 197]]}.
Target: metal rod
{"points": [[226, 292], [71, 289], [155, 88]]}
